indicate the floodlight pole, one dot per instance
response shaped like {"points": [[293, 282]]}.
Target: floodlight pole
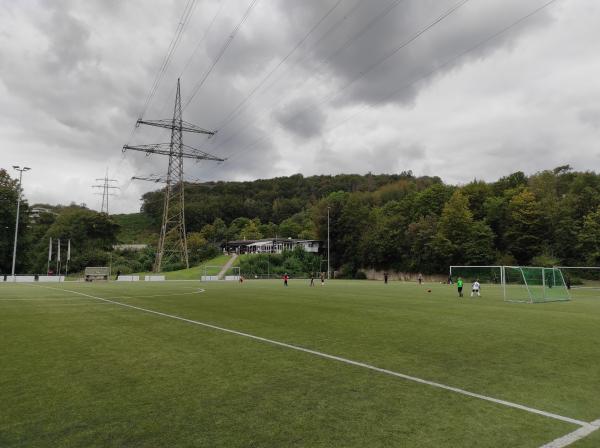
{"points": [[14, 257], [328, 245]]}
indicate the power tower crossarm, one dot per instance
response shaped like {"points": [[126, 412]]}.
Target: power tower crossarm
{"points": [[151, 178], [163, 180], [164, 149], [184, 126]]}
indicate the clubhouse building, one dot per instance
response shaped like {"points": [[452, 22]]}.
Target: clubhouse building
{"points": [[272, 246]]}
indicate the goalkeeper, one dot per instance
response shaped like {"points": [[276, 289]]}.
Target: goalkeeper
{"points": [[475, 288], [459, 285]]}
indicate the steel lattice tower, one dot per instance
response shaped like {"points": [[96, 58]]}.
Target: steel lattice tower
{"points": [[172, 243], [106, 191]]}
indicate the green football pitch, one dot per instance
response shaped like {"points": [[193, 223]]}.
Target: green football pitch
{"points": [[350, 364]]}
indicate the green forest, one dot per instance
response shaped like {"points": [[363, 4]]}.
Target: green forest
{"points": [[397, 222]]}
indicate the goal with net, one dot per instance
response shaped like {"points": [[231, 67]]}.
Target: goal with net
{"points": [[524, 284], [528, 284], [581, 276]]}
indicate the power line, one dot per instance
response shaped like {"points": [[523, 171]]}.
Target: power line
{"points": [[198, 45], [382, 14], [183, 21], [231, 115], [171, 50], [439, 68], [371, 67], [443, 65], [222, 51]]}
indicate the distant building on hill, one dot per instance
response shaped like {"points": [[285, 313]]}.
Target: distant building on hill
{"points": [[131, 247], [271, 246], [36, 211]]}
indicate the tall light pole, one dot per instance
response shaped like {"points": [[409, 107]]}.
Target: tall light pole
{"points": [[328, 245], [20, 170]]}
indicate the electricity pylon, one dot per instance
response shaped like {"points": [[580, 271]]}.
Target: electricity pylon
{"points": [[106, 191], [172, 242]]}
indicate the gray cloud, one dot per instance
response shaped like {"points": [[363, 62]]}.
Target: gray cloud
{"points": [[301, 118], [74, 77]]}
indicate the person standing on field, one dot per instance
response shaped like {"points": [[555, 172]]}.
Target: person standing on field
{"points": [[385, 277], [312, 279], [285, 279], [322, 278], [420, 278], [475, 288], [459, 285]]}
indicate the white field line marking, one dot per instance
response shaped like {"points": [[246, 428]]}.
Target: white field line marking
{"points": [[574, 436], [343, 360], [41, 299]]}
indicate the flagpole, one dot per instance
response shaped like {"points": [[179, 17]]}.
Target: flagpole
{"points": [[68, 258], [49, 256], [58, 257]]}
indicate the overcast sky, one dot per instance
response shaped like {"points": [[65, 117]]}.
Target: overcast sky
{"points": [[365, 90]]}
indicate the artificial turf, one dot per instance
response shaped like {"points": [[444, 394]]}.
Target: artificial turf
{"points": [[76, 371]]}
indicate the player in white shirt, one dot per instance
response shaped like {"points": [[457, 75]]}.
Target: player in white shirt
{"points": [[475, 288]]}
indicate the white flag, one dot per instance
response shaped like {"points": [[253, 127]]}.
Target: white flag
{"points": [[50, 250], [68, 250], [58, 251]]}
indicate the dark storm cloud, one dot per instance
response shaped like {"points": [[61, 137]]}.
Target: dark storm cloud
{"points": [[382, 30], [301, 118]]}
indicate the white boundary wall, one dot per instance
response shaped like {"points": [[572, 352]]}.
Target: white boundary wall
{"points": [[209, 278], [51, 278], [128, 278], [154, 278], [232, 278], [20, 278]]}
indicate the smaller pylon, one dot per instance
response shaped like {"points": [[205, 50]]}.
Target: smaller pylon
{"points": [[107, 187]]}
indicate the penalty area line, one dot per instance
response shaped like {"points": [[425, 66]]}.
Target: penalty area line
{"points": [[344, 360], [574, 436]]}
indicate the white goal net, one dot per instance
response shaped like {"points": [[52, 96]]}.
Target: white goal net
{"points": [[581, 277]]}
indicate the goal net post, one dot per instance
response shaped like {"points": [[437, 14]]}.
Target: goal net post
{"points": [[526, 284], [492, 275], [581, 276]]}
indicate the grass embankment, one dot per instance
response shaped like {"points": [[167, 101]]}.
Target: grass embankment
{"points": [[195, 272]]}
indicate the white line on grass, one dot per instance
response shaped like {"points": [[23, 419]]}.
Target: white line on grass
{"points": [[344, 360], [574, 436]]}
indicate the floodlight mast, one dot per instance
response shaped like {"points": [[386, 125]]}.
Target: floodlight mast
{"points": [[173, 240], [14, 257]]}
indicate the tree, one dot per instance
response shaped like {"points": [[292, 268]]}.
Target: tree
{"points": [[589, 237], [92, 235], [460, 238], [9, 192], [526, 230]]}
